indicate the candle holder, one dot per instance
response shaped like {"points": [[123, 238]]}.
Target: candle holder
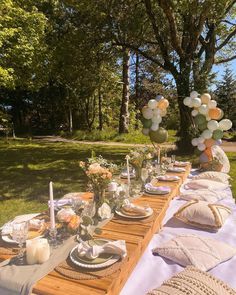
{"points": [[53, 240]]}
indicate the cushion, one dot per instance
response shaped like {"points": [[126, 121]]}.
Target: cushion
{"points": [[213, 175], [221, 156], [201, 252], [193, 281], [202, 214], [204, 195], [206, 184]]}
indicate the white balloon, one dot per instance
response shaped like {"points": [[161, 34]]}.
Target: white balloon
{"points": [[145, 131], [225, 124], [157, 119], [187, 101], [194, 113], [206, 134], [201, 139], [212, 104], [156, 112], [201, 147], [213, 125], [147, 113], [205, 98], [196, 102], [194, 141], [152, 104], [203, 109], [193, 94], [155, 126], [159, 97], [191, 104]]}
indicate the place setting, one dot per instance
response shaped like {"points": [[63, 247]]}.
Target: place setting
{"points": [[93, 259]]}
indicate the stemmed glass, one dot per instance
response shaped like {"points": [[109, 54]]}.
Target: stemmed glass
{"points": [[19, 234], [144, 176]]}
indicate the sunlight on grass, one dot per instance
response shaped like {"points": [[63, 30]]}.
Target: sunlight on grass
{"points": [[27, 167]]}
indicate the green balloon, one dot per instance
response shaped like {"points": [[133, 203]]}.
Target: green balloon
{"points": [[147, 123], [159, 136], [197, 152], [200, 119], [202, 126], [217, 134]]}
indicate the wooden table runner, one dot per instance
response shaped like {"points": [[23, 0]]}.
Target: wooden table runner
{"points": [[137, 236]]}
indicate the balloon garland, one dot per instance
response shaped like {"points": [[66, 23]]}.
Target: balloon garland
{"points": [[152, 115], [208, 120]]}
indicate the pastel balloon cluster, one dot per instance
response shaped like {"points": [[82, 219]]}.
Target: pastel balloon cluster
{"points": [[152, 115], [208, 120]]}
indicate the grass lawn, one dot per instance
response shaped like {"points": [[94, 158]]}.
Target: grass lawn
{"points": [[27, 167]]}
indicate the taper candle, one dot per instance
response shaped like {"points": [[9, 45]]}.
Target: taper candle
{"points": [[52, 214]]}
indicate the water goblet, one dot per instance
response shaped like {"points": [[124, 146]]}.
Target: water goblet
{"points": [[19, 234], [144, 176], [173, 159]]}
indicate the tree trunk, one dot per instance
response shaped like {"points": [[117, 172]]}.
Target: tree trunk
{"points": [[70, 120], [100, 109], [124, 110], [185, 130]]}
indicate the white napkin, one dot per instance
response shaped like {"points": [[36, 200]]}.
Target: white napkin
{"points": [[92, 252], [136, 209], [7, 227]]}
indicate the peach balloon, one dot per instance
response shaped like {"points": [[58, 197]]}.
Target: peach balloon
{"points": [[208, 152], [215, 114], [209, 142], [163, 104]]}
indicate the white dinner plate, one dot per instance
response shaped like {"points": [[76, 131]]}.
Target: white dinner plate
{"points": [[94, 263], [122, 214], [176, 169]]}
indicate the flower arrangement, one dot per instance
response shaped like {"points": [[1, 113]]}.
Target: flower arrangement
{"points": [[138, 156], [99, 172], [69, 219]]}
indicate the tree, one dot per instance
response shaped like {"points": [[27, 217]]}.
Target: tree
{"points": [[185, 38], [226, 95], [22, 47]]}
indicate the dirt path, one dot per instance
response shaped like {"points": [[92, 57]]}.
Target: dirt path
{"points": [[227, 146]]}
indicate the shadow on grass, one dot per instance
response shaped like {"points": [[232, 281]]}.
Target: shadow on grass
{"points": [[26, 169]]}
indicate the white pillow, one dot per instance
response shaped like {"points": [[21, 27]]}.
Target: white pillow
{"points": [[205, 184], [221, 156], [201, 252], [213, 175], [204, 195], [204, 215], [193, 281]]}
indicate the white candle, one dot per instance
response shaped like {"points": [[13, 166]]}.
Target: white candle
{"points": [[159, 155], [43, 251], [52, 215], [128, 174], [31, 249]]}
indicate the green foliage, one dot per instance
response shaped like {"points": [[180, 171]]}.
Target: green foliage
{"points": [[226, 95], [22, 46]]}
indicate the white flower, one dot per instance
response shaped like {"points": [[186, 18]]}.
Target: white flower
{"points": [[104, 211]]}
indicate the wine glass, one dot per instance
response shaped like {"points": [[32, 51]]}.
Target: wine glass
{"points": [[144, 175], [19, 234], [173, 159]]}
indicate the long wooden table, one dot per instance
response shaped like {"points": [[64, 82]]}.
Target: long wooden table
{"points": [[137, 236]]}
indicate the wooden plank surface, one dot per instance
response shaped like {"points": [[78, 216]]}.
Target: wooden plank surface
{"points": [[137, 236]]}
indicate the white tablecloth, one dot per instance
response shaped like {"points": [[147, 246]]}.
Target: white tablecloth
{"points": [[151, 270]]}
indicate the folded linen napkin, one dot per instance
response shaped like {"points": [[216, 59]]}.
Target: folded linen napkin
{"points": [[181, 163], [92, 252], [168, 177], [61, 202], [7, 227], [176, 169], [149, 188], [131, 208]]}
